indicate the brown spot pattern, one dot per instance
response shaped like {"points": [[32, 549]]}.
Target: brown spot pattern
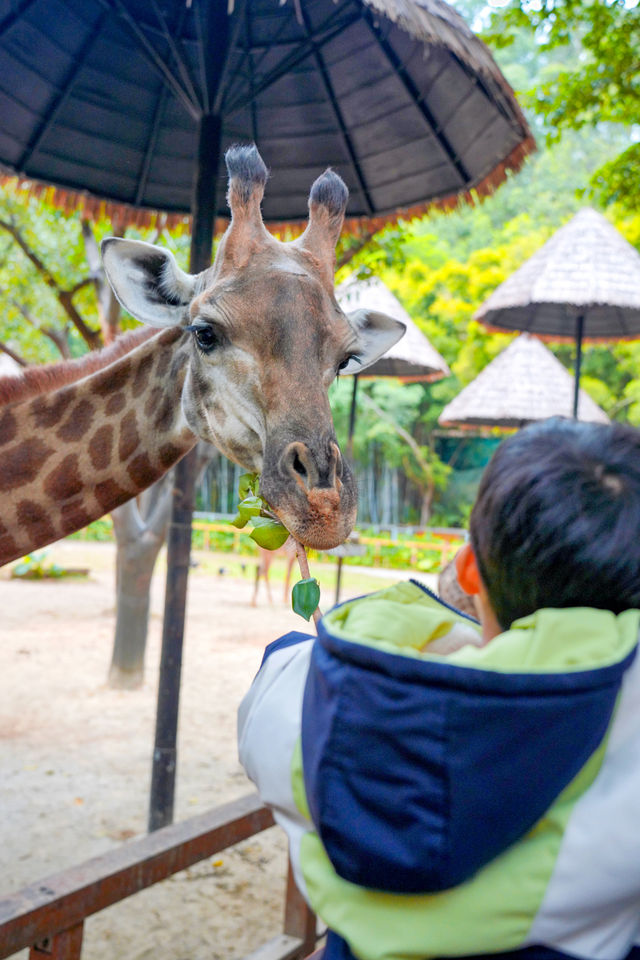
{"points": [[153, 401], [77, 423], [47, 413], [8, 549], [115, 403], [142, 374], [110, 494], [8, 427], [112, 380], [178, 368], [74, 517], [164, 359], [23, 462], [129, 437], [168, 454], [201, 388], [64, 482], [219, 413], [141, 471], [36, 520], [164, 419], [100, 447]]}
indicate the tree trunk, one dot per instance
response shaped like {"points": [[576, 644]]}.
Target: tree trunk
{"points": [[425, 506], [139, 539], [140, 528], [108, 306]]}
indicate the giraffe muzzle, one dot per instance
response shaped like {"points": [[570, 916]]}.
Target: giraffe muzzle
{"points": [[313, 492]]}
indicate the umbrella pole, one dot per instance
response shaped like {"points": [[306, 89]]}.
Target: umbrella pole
{"points": [[163, 771], [352, 425], [352, 417], [576, 386]]}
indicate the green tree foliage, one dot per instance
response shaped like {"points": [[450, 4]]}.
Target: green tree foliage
{"points": [[49, 279], [443, 301], [443, 266], [591, 52], [42, 258]]}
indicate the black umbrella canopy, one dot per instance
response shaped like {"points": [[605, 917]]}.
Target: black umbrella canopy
{"points": [[106, 97]]}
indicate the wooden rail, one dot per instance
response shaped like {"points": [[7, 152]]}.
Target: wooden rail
{"points": [[48, 916]]}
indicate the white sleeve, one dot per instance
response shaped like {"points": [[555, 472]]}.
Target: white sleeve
{"points": [[269, 723]]}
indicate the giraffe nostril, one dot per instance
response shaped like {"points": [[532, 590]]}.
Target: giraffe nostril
{"points": [[299, 467], [311, 467], [298, 462], [338, 460]]}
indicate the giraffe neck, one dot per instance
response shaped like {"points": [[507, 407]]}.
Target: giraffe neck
{"points": [[70, 455]]}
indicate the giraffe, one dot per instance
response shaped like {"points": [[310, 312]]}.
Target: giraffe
{"points": [[244, 358]]}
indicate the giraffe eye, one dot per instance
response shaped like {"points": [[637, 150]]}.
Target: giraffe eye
{"points": [[351, 360], [205, 335]]}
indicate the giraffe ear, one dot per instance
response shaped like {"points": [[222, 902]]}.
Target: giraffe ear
{"points": [[377, 333], [147, 281]]}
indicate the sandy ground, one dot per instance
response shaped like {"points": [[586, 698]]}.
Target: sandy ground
{"points": [[75, 755]]}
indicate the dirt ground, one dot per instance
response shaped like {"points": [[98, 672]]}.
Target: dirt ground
{"points": [[75, 755]]}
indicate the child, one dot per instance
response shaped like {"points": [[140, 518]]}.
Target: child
{"points": [[486, 801]]}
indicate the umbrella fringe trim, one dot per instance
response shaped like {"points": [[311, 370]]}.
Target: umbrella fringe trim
{"points": [[122, 215]]}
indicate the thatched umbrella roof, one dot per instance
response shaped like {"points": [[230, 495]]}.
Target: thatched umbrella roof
{"points": [[412, 358], [105, 98], [587, 269], [523, 383]]}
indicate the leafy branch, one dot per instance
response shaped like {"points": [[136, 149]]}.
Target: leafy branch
{"points": [[92, 338], [270, 534]]}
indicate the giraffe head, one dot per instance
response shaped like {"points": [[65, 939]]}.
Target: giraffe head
{"points": [[265, 339]]}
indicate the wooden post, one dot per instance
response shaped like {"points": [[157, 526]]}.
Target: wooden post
{"points": [[163, 772], [65, 945], [299, 919]]}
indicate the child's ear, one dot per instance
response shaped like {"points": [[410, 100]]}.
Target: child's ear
{"points": [[467, 570]]}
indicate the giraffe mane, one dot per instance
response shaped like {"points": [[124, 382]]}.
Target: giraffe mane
{"points": [[51, 376]]}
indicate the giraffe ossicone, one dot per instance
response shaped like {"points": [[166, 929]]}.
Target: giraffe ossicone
{"points": [[247, 351]]}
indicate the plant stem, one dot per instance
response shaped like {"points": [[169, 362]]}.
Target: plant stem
{"points": [[303, 563]]}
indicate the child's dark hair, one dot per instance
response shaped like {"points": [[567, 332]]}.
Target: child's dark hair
{"points": [[557, 519]]}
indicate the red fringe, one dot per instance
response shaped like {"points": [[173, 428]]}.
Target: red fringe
{"points": [[125, 215]]}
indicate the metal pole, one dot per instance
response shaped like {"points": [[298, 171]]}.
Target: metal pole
{"points": [[576, 386], [338, 580], [352, 417], [352, 425], [163, 771]]}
